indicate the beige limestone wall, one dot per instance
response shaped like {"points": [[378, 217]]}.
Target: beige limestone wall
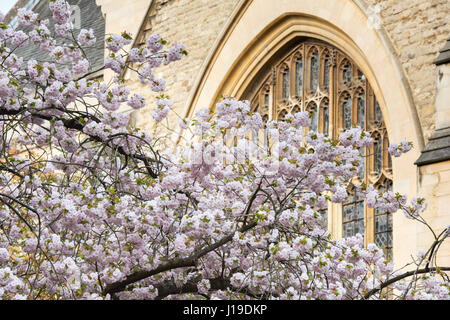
{"points": [[443, 96], [435, 187], [123, 15], [195, 23], [417, 29]]}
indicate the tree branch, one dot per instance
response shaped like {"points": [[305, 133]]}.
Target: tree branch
{"points": [[190, 261], [400, 277]]}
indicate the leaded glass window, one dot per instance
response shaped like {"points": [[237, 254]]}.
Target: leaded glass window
{"points": [[299, 76], [314, 116], [286, 82], [325, 117], [326, 73], [353, 217], [383, 224], [362, 168], [386, 156], [378, 156], [347, 113], [378, 115], [340, 96], [314, 71], [347, 73], [361, 109]]}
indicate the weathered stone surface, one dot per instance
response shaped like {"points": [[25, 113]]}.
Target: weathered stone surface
{"points": [[196, 24], [418, 30]]}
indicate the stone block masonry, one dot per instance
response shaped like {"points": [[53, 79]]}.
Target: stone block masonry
{"points": [[418, 29]]}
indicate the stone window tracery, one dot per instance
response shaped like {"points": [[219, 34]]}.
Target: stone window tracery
{"points": [[315, 76]]}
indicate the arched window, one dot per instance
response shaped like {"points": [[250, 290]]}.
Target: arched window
{"points": [[377, 154], [346, 111], [286, 84], [347, 73], [312, 108], [314, 71], [326, 72], [327, 83], [325, 116], [383, 223], [299, 76], [378, 115], [361, 109], [362, 170], [353, 216]]}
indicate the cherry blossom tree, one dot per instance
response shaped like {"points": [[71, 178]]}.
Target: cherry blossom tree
{"points": [[93, 208]]}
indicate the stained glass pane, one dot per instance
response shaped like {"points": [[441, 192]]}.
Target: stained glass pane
{"points": [[348, 230], [362, 166], [348, 73], [313, 110], [378, 156], [347, 114], [326, 119], [360, 210], [299, 76], [359, 227], [389, 158], [389, 221], [326, 74], [378, 115], [286, 84], [314, 71], [348, 212], [389, 240], [381, 240], [361, 110], [381, 223]]}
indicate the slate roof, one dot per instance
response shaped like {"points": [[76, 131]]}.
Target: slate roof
{"points": [[90, 17], [444, 54], [438, 146]]}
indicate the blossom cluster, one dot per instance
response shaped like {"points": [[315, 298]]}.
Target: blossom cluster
{"points": [[93, 208]]}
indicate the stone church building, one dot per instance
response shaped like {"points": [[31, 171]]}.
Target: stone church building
{"points": [[380, 64]]}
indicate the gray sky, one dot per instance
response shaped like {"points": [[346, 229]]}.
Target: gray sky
{"points": [[5, 5]]}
